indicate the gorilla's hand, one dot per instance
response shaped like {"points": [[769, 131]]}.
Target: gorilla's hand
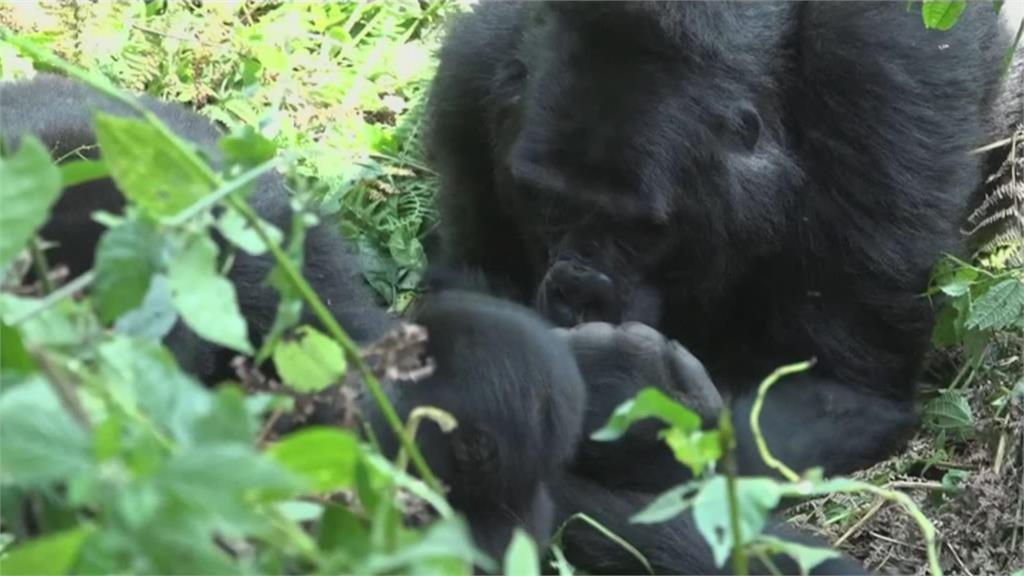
{"points": [[617, 362]]}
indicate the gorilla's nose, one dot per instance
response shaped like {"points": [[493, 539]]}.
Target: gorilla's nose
{"points": [[573, 293]]}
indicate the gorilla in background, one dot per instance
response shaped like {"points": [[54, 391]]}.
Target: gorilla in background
{"points": [[763, 182], [513, 383]]}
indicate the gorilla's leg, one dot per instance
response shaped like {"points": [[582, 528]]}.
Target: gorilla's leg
{"points": [[673, 547]]}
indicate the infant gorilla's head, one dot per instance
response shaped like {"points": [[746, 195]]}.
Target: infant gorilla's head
{"points": [[631, 160]]}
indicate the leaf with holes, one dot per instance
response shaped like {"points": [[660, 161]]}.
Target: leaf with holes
{"points": [[309, 361], [756, 497], [151, 168]]}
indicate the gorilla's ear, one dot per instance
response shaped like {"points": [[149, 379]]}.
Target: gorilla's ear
{"points": [[742, 128]]}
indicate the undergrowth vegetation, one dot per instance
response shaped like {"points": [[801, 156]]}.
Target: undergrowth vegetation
{"points": [[114, 460]]}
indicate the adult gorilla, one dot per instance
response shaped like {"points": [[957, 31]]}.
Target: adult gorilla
{"points": [[764, 183]]}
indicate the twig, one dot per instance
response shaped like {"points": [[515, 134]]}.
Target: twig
{"points": [[40, 264], [958, 560], [165, 34], [892, 540], [73, 287], [64, 390], [861, 522]]}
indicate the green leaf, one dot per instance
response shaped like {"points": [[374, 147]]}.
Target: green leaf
{"points": [[694, 449], [29, 185], [80, 171], [247, 147], [999, 307], [224, 480], [238, 231], [521, 556], [228, 420], [807, 557], [341, 530], [756, 497], [142, 376], [127, 257], [150, 168], [45, 556], [942, 14], [949, 412], [41, 441], [310, 361], [667, 505], [648, 403], [206, 300], [14, 357], [326, 457], [155, 317]]}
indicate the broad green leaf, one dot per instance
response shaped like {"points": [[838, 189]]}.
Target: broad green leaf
{"points": [[949, 412], [667, 505], [326, 457], [521, 556], [150, 168], [694, 449], [247, 147], [47, 555], [941, 14], [309, 361], [224, 480], [29, 185], [999, 307], [155, 317], [235, 228], [959, 283], [41, 442], [341, 530], [80, 171], [648, 403], [756, 497], [228, 420], [14, 357], [205, 299], [142, 376], [807, 557], [126, 258]]}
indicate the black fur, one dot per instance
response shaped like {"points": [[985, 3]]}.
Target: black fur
{"points": [[764, 182], [515, 387]]}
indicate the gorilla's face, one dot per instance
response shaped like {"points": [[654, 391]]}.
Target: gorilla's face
{"points": [[620, 157]]}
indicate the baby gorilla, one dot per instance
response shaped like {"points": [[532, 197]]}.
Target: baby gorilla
{"points": [[508, 379]]}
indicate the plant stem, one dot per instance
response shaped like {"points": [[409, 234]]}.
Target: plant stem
{"points": [[727, 441]]}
